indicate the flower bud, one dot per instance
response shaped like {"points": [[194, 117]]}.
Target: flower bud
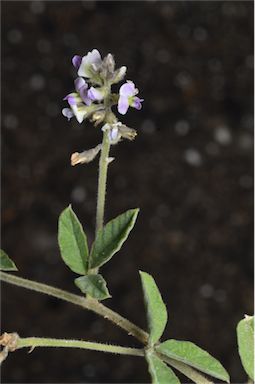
{"points": [[119, 75], [109, 63], [107, 67]]}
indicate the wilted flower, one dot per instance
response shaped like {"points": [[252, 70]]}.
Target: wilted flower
{"points": [[10, 342], [85, 156], [128, 98], [126, 132]]}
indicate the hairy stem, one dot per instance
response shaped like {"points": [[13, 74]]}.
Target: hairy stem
{"points": [[33, 342], [87, 303], [101, 192], [186, 370]]}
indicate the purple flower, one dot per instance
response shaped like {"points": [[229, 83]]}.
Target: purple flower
{"points": [[113, 135], [128, 98], [112, 132], [89, 63], [81, 93], [77, 107], [95, 94], [81, 88], [73, 99], [76, 60], [80, 102], [67, 112]]}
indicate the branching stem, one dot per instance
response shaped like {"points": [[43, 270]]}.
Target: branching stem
{"points": [[87, 303]]}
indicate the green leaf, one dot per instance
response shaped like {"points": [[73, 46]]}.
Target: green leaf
{"points": [[6, 264], [156, 309], [72, 242], [245, 339], [159, 371], [93, 285], [110, 239], [192, 355]]}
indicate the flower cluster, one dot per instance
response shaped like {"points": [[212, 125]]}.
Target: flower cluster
{"points": [[92, 97]]}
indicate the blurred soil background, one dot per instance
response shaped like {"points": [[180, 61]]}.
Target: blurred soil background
{"points": [[190, 171]]}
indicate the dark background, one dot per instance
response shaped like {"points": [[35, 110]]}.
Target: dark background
{"points": [[189, 170]]}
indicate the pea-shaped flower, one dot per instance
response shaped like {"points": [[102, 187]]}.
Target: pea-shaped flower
{"points": [[79, 101], [128, 98], [88, 65]]}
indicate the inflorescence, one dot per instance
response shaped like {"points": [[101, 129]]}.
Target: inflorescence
{"points": [[93, 98]]}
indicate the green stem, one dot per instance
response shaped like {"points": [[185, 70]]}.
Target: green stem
{"points": [[33, 342], [186, 370], [87, 303], [103, 166]]}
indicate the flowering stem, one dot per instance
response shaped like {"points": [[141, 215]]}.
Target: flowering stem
{"points": [[33, 342], [87, 303], [103, 166]]}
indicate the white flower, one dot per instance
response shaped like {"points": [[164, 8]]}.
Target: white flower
{"points": [[90, 63]]}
